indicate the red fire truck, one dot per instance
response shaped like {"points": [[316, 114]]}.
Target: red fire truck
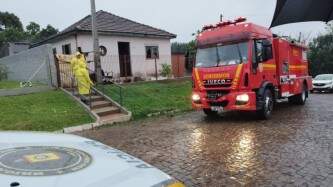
{"points": [[242, 66]]}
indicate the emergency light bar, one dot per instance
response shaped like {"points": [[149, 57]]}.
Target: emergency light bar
{"points": [[224, 23]]}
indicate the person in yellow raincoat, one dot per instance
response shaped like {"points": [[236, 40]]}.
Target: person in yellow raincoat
{"points": [[83, 80], [77, 60]]}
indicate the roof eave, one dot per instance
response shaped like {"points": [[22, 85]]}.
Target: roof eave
{"points": [[59, 36], [55, 37], [132, 34]]}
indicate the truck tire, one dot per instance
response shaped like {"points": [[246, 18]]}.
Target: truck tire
{"points": [[268, 104], [210, 113], [300, 99]]}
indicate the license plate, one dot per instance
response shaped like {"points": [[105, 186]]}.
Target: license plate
{"points": [[217, 108]]}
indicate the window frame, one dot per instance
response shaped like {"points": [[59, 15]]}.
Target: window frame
{"points": [[69, 49], [151, 47]]}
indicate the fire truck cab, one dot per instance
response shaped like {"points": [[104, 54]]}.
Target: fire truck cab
{"points": [[244, 67]]}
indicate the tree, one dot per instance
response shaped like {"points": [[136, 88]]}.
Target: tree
{"points": [[11, 28], [46, 33], [185, 48], [321, 53], [179, 47], [12, 35], [33, 28], [10, 20]]}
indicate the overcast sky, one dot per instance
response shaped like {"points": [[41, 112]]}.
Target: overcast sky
{"points": [[181, 17]]}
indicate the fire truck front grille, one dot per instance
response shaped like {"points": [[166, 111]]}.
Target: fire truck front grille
{"points": [[216, 94], [219, 104]]}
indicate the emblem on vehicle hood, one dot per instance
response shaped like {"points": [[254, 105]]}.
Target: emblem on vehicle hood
{"points": [[42, 161]]}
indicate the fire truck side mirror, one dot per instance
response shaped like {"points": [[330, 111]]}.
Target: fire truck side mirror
{"points": [[267, 50], [257, 53]]}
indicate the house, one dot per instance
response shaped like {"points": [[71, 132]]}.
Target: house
{"points": [[11, 48], [128, 47]]}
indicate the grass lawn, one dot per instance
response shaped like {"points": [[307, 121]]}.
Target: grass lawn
{"points": [[9, 84], [152, 97], [46, 111]]}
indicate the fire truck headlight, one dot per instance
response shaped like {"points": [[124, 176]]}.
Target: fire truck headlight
{"points": [[244, 98], [195, 97]]}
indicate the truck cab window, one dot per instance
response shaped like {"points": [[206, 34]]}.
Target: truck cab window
{"points": [[222, 55]]}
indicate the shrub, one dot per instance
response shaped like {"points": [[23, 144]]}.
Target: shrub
{"points": [[3, 72], [166, 70]]}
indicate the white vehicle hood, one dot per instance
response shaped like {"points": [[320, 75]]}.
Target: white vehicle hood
{"points": [[322, 81], [86, 163]]}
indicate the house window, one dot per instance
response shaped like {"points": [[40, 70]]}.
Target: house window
{"points": [[152, 52], [66, 49]]}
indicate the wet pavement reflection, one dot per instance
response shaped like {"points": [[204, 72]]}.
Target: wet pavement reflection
{"points": [[294, 148]]}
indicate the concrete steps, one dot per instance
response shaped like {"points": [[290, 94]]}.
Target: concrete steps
{"points": [[100, 104], [107, 110], [96, 98]]}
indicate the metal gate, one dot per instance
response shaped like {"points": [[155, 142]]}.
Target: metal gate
{"points": [[64, 71]]}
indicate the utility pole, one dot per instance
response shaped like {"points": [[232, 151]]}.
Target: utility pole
{"points": [[97, 57]]}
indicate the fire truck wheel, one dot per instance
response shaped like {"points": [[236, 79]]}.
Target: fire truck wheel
{"points": [[267, 109], [301, 98], [210, 113]]}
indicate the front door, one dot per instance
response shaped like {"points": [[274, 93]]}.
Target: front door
{"points": [[124, 59]]}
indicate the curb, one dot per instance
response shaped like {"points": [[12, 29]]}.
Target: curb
{"points": [[79, 128]]}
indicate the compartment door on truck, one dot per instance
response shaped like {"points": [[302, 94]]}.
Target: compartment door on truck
{"points": [[284, 68]]}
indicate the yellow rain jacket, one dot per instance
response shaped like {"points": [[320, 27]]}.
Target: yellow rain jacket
{"points": [[76, 62], [83, 80]]}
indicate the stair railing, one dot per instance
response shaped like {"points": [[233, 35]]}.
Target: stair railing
{"points": [[75, 89], [106, 89]]}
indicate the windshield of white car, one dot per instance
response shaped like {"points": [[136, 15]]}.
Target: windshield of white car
{"points": [[324, 77], [222, 55]]}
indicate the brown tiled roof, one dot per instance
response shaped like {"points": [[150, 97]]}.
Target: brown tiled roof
{"points": [[112, 24]]}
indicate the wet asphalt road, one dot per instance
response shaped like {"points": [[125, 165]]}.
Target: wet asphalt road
{"points": [[294, 148]]}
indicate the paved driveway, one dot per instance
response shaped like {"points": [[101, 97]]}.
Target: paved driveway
{"points": [[295, 148]]}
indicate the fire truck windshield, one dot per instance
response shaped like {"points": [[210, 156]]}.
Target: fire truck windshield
{"points": [[222, 55]]}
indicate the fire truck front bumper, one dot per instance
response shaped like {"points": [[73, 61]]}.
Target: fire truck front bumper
{"points": [[223, 101]]}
